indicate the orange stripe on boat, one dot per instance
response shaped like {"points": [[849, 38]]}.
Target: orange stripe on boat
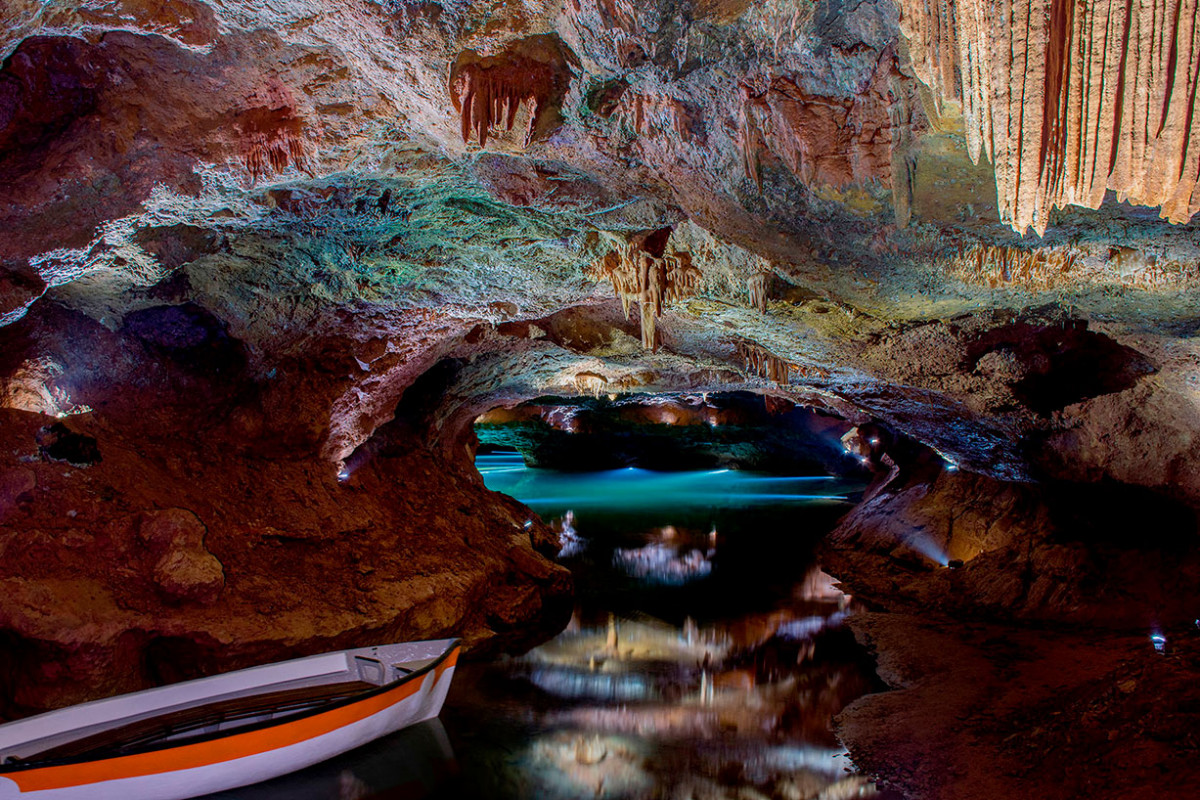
{"points": [[227, 748]]}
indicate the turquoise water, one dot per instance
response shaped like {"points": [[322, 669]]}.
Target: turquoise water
{"points": [[706, 656], [554, 492]]}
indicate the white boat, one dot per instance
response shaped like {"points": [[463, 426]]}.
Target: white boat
{"points": [[213, 734]]}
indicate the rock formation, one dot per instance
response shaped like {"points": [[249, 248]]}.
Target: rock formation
{"points": [[642, 270], [1070, 100], [489, 91]]}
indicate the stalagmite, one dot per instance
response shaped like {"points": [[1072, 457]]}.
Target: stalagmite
{"points": [[642, 270], [1070, 99]]}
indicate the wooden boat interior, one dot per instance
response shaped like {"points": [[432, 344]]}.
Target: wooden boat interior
{"points": [[218, 704]]}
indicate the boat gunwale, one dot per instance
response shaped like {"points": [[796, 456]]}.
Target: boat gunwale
{"points": [[454, 644]]}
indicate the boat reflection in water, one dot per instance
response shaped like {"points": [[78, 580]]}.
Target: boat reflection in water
{"points": [[706, 657], [411, 763]]}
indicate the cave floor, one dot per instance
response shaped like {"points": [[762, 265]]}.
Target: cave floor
{"points": [[995, 711]]}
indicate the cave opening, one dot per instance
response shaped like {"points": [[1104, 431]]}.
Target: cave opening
{"points": [[692, 525]]}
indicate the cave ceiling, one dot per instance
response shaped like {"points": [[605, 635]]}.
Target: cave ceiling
{"points": [[797, 198]]}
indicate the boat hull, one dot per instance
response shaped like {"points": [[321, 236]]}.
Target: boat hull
{"points": [[239, 759]]}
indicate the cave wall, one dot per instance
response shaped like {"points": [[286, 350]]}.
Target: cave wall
{"points": [[183, 524]]}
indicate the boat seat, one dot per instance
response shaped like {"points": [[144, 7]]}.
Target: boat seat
{"points": [[413, 666]]}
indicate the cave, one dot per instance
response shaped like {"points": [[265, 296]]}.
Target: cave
{"points": [[793, 399]]}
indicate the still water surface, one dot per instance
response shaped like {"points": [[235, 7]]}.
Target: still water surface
{"points": [[705, 658]]}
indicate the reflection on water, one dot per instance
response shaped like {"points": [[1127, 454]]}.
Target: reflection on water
{"points": [[705, 659], [411, 763], [706, 656]]}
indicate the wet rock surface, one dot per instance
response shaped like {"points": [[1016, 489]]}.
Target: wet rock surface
{"points": [[982, 710]]}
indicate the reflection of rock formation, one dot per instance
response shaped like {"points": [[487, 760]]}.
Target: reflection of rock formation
{"points": [[1070, 99], [570, 543], [664, 561]]}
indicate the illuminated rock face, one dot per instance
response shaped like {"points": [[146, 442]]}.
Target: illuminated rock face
{"points": [[1069, 99]]}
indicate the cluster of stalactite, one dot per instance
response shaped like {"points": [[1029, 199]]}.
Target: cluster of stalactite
{"points": [[592, 383], [1069, 99], [997, 265], [271, 151], [270, 132], [1056, 267], [488, 92], [642, 270], [756, 287], [1141, 270], [762, 362]]}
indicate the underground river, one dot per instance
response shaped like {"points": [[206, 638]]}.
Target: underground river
{"points": [[705, 659]]}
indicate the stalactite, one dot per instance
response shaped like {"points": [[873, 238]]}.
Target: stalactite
{"points": [[649, 115], [1070, 99], [642, 270], [592, 383], [756, 286], [994, 266], [487, 92], [762, 362], [1056, 267], [1140, 270], [268, 151], [270, 132]]}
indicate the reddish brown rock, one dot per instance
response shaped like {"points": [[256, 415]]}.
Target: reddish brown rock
{"points": [[185, 570], [16, 484], [826, 141], [488, 91]]}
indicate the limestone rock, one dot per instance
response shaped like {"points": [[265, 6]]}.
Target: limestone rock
{"points": [[16, 483], [1070, 99], [190, 575], [185, 571]]}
